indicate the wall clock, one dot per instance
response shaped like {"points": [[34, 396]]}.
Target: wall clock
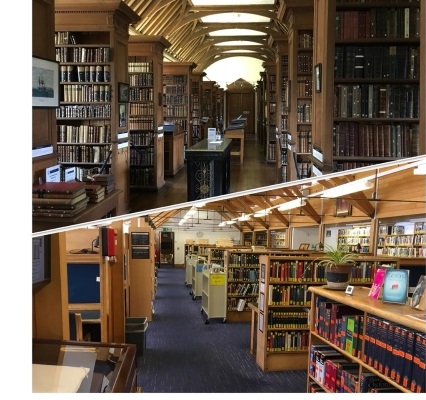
{"points": [[199, 234]]}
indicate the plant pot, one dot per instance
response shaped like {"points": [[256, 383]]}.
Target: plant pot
{"points": [[339, 276]]}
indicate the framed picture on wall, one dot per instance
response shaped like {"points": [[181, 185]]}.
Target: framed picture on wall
{"points": [[122, 115], [343, 208], [45, 83]]}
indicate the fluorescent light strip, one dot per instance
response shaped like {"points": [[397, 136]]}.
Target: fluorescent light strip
{"points": [[292, 204], [347, 188]]}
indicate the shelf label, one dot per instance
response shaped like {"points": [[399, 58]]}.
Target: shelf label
{"points": [[217, 279]]}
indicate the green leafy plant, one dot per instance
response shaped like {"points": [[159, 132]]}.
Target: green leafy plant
{"points": [[331, 258]]}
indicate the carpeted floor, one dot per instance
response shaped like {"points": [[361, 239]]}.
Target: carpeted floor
{"points": [[185, 355]]}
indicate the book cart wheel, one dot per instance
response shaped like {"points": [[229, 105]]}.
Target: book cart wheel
{"points": [[224, 321], [194, 297], [191, 293], [207, 321]]}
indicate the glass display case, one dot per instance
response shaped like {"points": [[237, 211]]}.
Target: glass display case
{"points": [[82, 367]]}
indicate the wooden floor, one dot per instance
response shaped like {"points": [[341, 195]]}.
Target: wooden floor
{"points": [[255, 172]]}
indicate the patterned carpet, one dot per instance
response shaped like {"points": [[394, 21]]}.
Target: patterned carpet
{"points": [[185, 355]]}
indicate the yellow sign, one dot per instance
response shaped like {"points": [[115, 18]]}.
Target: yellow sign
{"points": [[217, 279]]}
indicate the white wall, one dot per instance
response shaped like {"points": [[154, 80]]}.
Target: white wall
{"points": [[181, 235], [304, 235]]}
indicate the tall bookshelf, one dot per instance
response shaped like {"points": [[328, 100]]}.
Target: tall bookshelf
{"points": [[271, 110], [242, 267], [91, 44], [176, 96], [300, 43], [145, 65], [375, 314], [371, 75], [284, 301], [208, 103], [196, 111]]}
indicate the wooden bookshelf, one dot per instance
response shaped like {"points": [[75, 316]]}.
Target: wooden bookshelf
{"points": [[371, 75], [177, 77], [370, 310], [195, 99], [145, 64], [91, 45], [271, 110]]}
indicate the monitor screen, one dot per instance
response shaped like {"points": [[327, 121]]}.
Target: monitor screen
{"points": [[41, 260]]}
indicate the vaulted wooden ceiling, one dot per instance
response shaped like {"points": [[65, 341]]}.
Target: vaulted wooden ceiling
{"points": [[179, 21]]}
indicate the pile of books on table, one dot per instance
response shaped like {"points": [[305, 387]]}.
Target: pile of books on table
{"points": [[107, 181], [59, 199]]}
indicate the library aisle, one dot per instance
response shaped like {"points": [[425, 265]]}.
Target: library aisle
{"points": [[184, 355]]}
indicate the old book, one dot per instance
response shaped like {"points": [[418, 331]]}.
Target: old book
{"points": [[58, 189], [63, 202], [59, 207]]}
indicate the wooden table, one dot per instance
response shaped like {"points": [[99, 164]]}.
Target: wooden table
{"points": [[239, 135]]}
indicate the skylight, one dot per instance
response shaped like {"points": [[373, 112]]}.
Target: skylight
{"points": [[235, 18], [234, 2]]}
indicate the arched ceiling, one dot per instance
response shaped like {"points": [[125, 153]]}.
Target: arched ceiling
{"points": [[199, 30]]}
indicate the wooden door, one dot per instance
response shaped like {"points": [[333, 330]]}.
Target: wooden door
{"points": [[240, 100]]}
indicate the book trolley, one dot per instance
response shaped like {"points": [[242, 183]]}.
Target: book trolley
{"points": [[213, 299], [191, 260], [197, 275]]}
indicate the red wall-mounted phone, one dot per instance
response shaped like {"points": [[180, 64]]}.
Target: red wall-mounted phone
{"points": [[108, 242]]}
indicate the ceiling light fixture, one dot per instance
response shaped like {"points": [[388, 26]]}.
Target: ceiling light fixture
{"points": [[244, 217], [262, 213], [347, 188], [292, 204], [223, 223]]}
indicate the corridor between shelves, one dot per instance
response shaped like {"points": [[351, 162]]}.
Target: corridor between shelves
{"points": [[184, 355]]}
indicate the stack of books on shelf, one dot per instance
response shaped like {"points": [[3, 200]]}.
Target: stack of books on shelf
{"points": [[107, 181], [96, 193], [59, 199]]}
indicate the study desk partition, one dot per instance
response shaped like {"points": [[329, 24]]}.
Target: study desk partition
{"points": [[208, 169]]}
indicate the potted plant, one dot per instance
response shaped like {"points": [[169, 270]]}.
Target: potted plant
{"points": [[338, 266]]}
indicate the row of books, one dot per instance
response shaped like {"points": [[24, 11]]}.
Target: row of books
{"points": [[142, 94], [375, 140], [86, 93], [284, 295], [142, 79], [287, 341], [396, 352], [243, 274], [338, 374], [393, 350], [83, 54], [101, 111], [376, 101], [383, 22], [140, 123], [85, 73], [140, 66], [170, 80], [82, 153], [243, 260], [176, 110], [83, 133], [142, 138], [376, 62], [304, 141], [141, 176], [145, 157], [243, 289], [288, 319]]}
